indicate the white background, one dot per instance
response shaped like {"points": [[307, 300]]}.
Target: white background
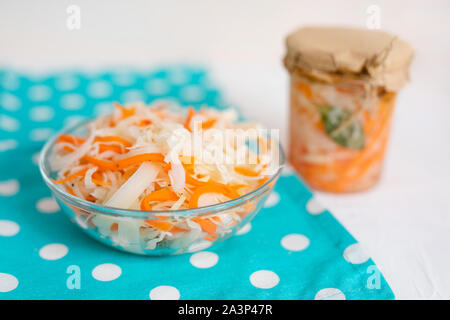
{"points": [[404, 223]]}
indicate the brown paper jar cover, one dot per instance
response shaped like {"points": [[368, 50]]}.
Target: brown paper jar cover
{"points": [[343, 88]]}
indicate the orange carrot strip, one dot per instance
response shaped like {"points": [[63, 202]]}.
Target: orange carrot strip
{"points": [[167, 167], [72, 176], [123, 141], [68, 149], [70, 139], [305, 89], [158, 195], [211, 187], [176, 229], [144, 122], [70, 191], [124, 111], [246, 172], [124, 163], [206, 225], [160, 225], [211, 237], [102, 164], [98, 180], [208, 124], [190, 114], [107, 147], [262, 181], [164, 226], [129, 172], [193, 181]]}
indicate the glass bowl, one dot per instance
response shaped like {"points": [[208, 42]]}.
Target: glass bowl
{"points": [[157, 233]]}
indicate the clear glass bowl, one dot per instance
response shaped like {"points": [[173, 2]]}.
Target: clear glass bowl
{"points": [[131, 230]]}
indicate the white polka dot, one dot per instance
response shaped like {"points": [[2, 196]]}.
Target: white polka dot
{"points": [[355, 254], [10, 81], [47, 205], [72, 101], [246, 228], [295, 242], [41, 113], [264, 279], [192, 93], [124, 79], [53, 251], [8, 144], [330, 294], [179, 76], [204, 259], [35, 158], [8, 282], [8, 228], [199, 245], [106, 272], [314, 207], [157, 87], [132, 96], [41, 134], [8, 123], [9, 187], [73, 120], [103, 108], [165, 293], [272, 200], [39, 92], [67, 82], [99, 89], [9, 101]]}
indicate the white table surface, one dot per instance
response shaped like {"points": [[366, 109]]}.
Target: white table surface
{"points": [[404, 222]]}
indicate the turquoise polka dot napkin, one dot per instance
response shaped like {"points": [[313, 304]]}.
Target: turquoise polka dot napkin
{"points": [[293, 249]]}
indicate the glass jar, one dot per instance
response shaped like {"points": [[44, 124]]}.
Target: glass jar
{"points": [[338, 132]]}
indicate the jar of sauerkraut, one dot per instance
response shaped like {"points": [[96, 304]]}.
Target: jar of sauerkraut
{"points": [[343, 87]]}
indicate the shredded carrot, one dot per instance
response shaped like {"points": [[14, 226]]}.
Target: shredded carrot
{"points": [[164, 226], [190, 114], [144, 122], [158, 195], [72, 176], [129, 172], [305, 89], [98, 179], [102, 164], [193, 181], [120, 140], [70, 139], [205, 224], [246, 172], [70, 191], [176, 229], [124, 111], [211, 187], [208, 124], [211, 237], [262, 181], [91, 198], [108, 147], [155, 157], [68, 149], [167, 167], [160, 225]]}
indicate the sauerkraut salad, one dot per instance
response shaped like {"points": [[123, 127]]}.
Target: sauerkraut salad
{"points": [[143, 158]]}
